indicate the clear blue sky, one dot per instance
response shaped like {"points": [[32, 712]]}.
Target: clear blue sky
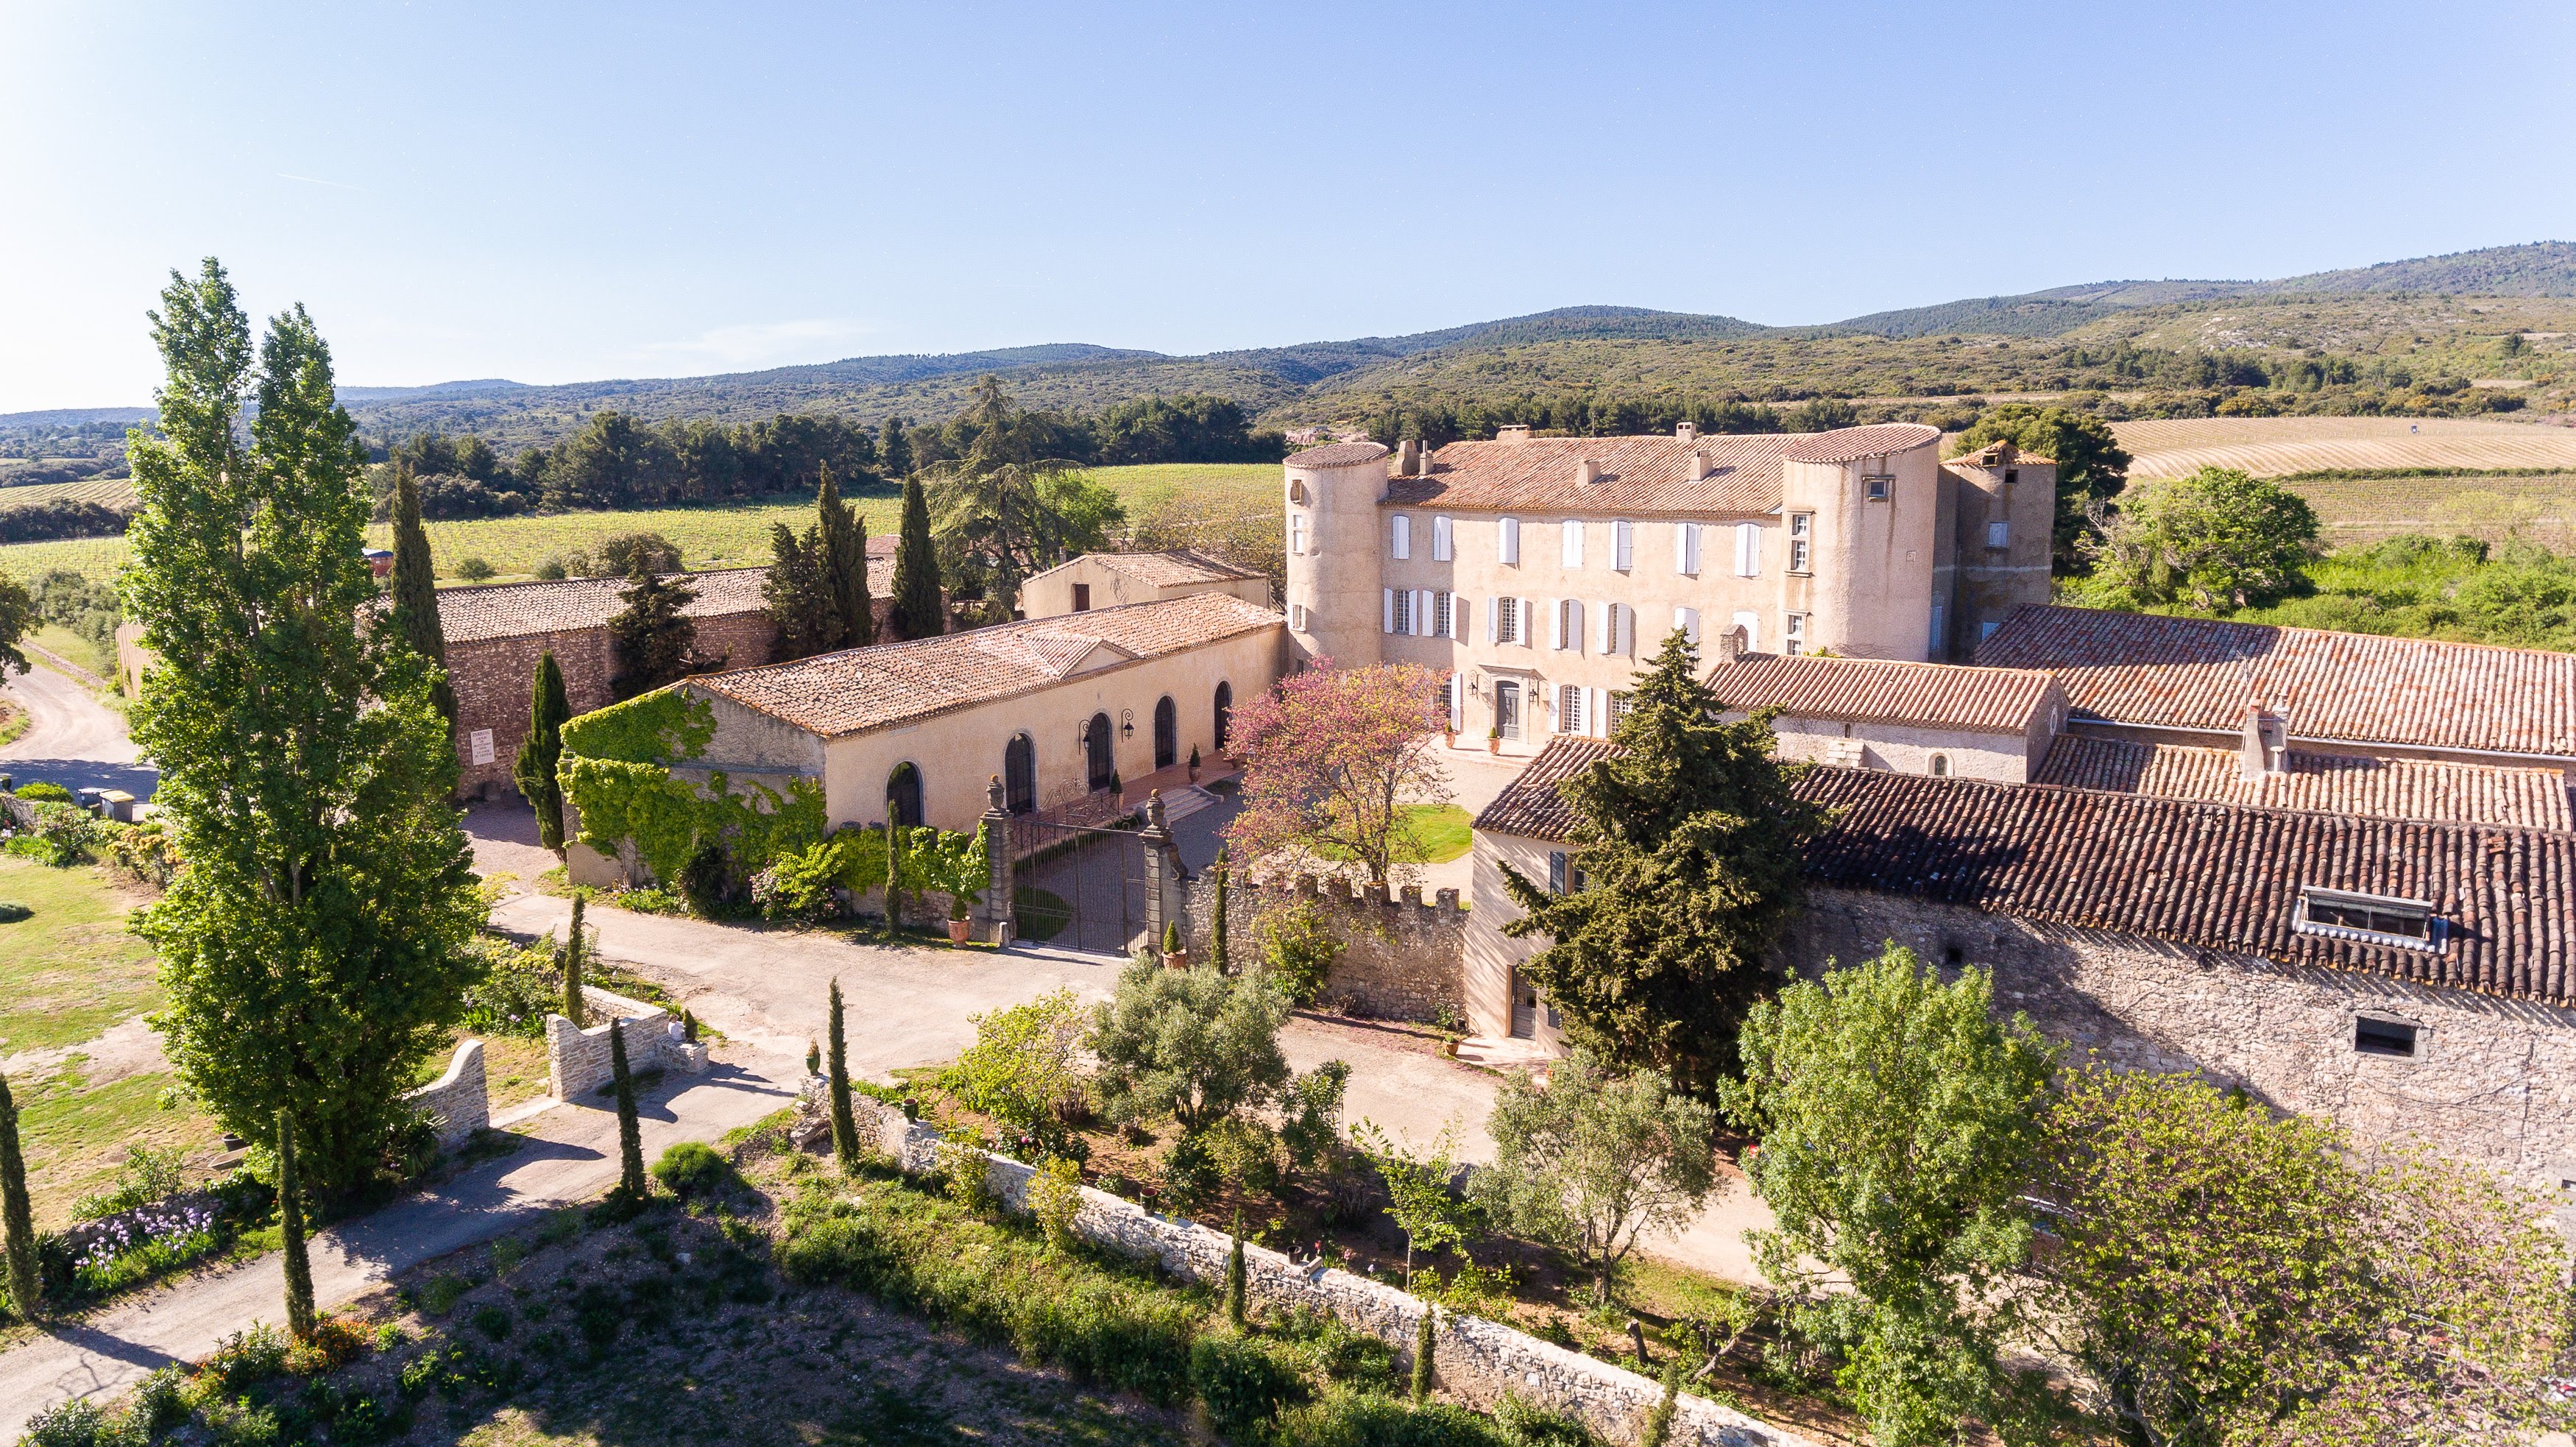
{"points": [[554, 192]]}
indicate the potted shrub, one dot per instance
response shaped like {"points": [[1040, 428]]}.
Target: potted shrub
{"points": [[1194, 763], [1494, 739], [1174, 956], [959, 865], [1117, 788]]}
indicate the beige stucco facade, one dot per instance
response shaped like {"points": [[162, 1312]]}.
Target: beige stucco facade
{"points": [[2003, 758], [960, 751], [1491, 958], [1093, 581]]}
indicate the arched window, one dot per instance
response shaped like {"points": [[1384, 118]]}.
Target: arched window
{"points": [[903, 795], [1096, 739], [1020, 774], [1224, 714], [1167, 733], [1940, 766]]}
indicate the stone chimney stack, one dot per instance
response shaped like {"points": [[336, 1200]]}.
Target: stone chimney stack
{"points": [[1512, 432], [1587, 472], [1732, 645], [2264, 747], [1408, 458], [1699, 462], [1687, 432]]}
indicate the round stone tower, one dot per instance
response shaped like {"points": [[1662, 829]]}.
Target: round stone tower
{"points": [[1333, 552]]}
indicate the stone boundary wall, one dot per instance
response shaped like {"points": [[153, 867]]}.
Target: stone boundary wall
{"points": [[1404, 959], [1476, 1360], [456, 1102], [577, 1059]]}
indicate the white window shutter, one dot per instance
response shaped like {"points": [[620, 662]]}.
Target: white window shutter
{"points": [[1457, 701], [1687, 620], [1422, 619], [1571, 544], [1388, 626], [1627, 631], [1509, 540], [1401, 542], [1493, 622], [1440, 540], [1682, 548], [1623, 545], [1529, 623], [1751, 623], [1574, 624]]}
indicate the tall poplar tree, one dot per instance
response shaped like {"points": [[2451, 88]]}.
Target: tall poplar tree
{"points": [[315, 951], [919, 611], [17, 1221], [415, 592], [541, 752]]}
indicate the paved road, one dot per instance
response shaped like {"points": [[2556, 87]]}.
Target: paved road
{"points": [[72, 739]]}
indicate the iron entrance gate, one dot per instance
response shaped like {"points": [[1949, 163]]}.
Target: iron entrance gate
{"points": [[1078, 887]]}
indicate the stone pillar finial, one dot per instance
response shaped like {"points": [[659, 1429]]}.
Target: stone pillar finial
{"points": [[1154, 810], [993, 796]]}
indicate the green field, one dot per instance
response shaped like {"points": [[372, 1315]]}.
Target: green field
{"points": [[113, 491], [709, 537]]}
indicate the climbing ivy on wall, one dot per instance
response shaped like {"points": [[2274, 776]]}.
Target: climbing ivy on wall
{"points": [[616, 773]]}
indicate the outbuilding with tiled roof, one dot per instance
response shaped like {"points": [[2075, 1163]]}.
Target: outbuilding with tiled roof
{"points": [[1107, 580]]}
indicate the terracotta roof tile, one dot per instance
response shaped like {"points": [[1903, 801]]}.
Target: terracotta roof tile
{"points": [[2330, 783], [1531, 807], [1851, 444], [2215, 876], [2198, 673], [1338, 454], [856, 689], [1164, 569], [1938, 695], [1637, 474], [516, 610]]}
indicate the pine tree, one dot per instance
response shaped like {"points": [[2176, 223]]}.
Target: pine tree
{"points": [[17, 1221], [415, 592], [1690, 843], [290, 1228], [315, 951], [843, 552], [575, 1008], [630, 1132], [541, 752], [845, 1126], [1422, 1345], [656, 643], [919, 611], [1236, 1311], [894, 448], [1216, 920]]}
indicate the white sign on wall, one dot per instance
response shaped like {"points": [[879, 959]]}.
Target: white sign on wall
{"points": [[480, 741]]}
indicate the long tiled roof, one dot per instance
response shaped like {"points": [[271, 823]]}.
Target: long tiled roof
{"points": [[1174, 566], [2331, 783], [1851, 444], [1530, 806], [2141, 668], [516, 610], [1935, 695], [2216, 876], [1637, 475], [863, 688]]}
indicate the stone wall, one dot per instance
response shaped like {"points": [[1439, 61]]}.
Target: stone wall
{"points": [[456, 1102], [577, 1062], [1402, 956], [2492, 1080], [1474, 1360]]}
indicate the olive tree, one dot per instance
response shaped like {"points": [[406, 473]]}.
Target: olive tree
{"points": [[1192, 1044]]}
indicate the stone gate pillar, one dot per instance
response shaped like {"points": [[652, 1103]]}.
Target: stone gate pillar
{"points": [[993, 913], [1163, 882]]}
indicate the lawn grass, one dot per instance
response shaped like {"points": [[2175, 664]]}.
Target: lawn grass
{"points": [[71, 969], [76, 1134], [1443, 830], [55, 638]]}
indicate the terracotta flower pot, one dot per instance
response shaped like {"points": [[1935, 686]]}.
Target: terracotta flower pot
{"points": [[1493, 746], [957, 930], [1176, 959]]}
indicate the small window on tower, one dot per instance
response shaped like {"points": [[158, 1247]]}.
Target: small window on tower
{"points": [[1082, 597], [1878, 487], [2383, 1037]]}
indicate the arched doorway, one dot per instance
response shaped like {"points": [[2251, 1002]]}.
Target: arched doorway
{"points": [[903, 796], [1167, 733], [1096, 740], [1224, 714], [1020, 774]]}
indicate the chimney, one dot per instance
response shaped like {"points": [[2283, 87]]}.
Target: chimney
{"points": [[1732, 645], [1512, 432], [1699, 463], [1687, 432], [1408, 457], [1587, 472], [2264, 747]]}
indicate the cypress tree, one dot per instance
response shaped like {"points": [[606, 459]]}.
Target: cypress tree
{"points": [[1216, 921], [1235, 1310], [894, 448], [1422, 1340], [17, 1221], [290, 1225], [802, 607], [415, 591], [918, 611], [845, 1126], [844, 555], [573, 1005], [894, 872], [541, 752], [630, 1134]]}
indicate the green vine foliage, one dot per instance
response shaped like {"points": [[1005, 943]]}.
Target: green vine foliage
{"points": [[664, 726], [616, 773]]}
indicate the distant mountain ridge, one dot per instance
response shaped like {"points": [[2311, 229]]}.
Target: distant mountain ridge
{"points": [[1556, 345]]}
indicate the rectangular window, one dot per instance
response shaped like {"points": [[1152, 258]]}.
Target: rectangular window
{"points": [[1999, 535], [1082, 597], [1794, 638], [1508, 541], [1686, 549], [1507, 620], [1570, 548], [2371, 918], [1444, 616], [2378, 1037], [1569, 623], [1877, 487], [1618, 707], [1399, 610], [1297, 532], [1748, 550], [1687, 620], [1507, 709], [1569, 709], [1400, 536], [1559, 870], [1802, 541], [1443, 544], [1297, 616], [1623, 545]]}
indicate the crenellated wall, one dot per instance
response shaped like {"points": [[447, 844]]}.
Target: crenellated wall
{"points": [[1401, 960]]}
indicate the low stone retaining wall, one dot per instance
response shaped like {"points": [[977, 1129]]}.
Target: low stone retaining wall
{"points": [[1476, 1360], [577, 1059], [456, 1103]]}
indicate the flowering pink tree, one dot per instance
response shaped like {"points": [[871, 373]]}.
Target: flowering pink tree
{"points": [[1333, 757]]}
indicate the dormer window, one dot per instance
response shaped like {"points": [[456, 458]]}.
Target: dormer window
{"points": [[2369, 918]]}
